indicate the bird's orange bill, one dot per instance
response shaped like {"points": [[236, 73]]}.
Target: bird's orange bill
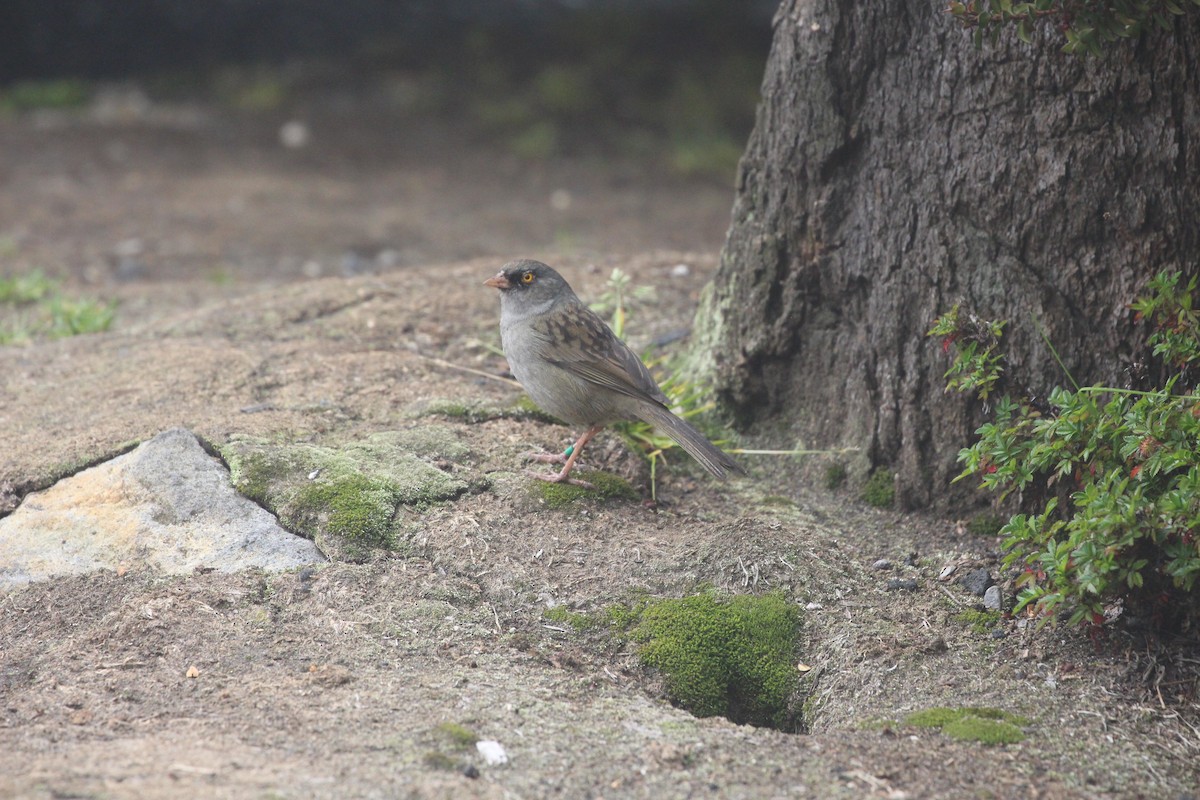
{"points": [[498, 281]]}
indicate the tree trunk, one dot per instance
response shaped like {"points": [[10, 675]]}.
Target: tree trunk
{"points": [[894, 171]]}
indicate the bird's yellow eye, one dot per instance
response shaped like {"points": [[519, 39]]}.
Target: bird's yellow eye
{"points": [[526, 277]]}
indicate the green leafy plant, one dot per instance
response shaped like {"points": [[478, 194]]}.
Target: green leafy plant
{"points": [[57, 94], [32, 306], [1085, 24], [978, 362], [620, 297], [685, 398], [1113, 475]]}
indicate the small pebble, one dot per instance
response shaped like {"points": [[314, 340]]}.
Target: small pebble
{"points": [[997, 633], [946, 572], [882, 563], [293, 134], [907, 584], [680, 271], [992, 598], [977, 581], [560, 200], [471, 771], [492, 752]]}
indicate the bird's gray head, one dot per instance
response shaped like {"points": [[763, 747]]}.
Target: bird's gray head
{"points": [[529, 285]]}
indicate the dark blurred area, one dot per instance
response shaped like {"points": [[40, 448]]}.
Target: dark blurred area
{"points": [[108, 39], [545, 76], [231, 140]]}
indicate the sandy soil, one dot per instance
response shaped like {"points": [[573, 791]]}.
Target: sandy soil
{"points": [[314, 295]]}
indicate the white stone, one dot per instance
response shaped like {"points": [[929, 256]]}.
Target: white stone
{"points": [[167, 504], [492, 752]]}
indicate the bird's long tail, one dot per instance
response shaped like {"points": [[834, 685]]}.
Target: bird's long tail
{"points": [[715, 460]]}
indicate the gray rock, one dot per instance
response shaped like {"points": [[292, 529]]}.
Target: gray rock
{"points": [[882, 564], [993, 599], [167, 505], [901, 584], [977, 581]]}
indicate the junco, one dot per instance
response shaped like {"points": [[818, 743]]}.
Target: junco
{"points": [[575, 368]]}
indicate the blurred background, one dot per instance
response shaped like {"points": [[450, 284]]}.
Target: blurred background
{"points": [[226, 141]]}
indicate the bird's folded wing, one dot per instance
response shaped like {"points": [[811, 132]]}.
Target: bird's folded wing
{"points": [[589, 350]]}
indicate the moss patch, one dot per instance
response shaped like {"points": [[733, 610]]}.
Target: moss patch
{"points": [[576, 619], [979, 621], [474, 413], [467, 412], [880, 489], [985, 524], [450, 736], [457, 735], [731, 657], [346, 499], [426, 441], [835, 476], [525, 408], [973, 723], [606, 486], [354, 506], [436, 759]]}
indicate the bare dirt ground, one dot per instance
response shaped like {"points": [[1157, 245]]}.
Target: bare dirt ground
{"points": [[303, 295]]}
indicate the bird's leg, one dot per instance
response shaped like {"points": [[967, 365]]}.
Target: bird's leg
{"points": [[569, 460], [554, 458], [551, 458]]}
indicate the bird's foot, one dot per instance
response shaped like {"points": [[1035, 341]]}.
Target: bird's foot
{"points": [[552, 458], [547, 458]]}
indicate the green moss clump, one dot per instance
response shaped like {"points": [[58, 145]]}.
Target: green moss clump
{"points": [[525, 408], [354, 506], [606, 486], [835, 476], [985, 524], [879, 724], [980, 621], [457, 735], [622, 618], [972, 723], [426, 441], [577, 620], [471, 414], [254, 475], [729, 657], [934, 717], [985, 731], [880, 489], [436, 759], [348, 498]]}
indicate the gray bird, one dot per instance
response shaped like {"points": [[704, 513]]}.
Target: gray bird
{"points": [[574, 367]]}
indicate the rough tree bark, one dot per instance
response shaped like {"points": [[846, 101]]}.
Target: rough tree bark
{"points": [[895, 170]]}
